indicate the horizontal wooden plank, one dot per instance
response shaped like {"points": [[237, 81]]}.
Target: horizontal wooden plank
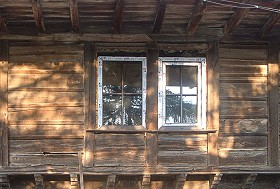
{"points": [[251, 54], [46, 130], [243, 126], [46, 114], [45, 146], [57, 80], [119, 157], [250, 80], [46, 58], [182, 142], [188, 158], [119, 140], [243, 142], [243, 70], [44, 98], [243, 90], [46, 67], [246, 158], [17, 160], [243, 108], [235, 62]]}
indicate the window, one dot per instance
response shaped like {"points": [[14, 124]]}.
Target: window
{"points": [[121, 91], [182, 92]]}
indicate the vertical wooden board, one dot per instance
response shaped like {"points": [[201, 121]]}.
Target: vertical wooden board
{"points": [[152, 89], [89, 149], [151, 149], [4, 103]]}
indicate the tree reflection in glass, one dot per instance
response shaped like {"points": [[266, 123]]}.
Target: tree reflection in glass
{"points": [[122, 93], [181, 94]]}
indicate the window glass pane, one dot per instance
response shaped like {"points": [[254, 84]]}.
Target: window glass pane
{"points": [[189, 110], [173, 109], [112, 107], [189, 79], [173, 79], [132, 77], [133, 110], [111, 76]]}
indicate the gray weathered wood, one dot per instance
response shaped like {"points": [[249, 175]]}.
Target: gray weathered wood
{"points": [[249, 181], [4, 103], [39, 181], [180, 181], [273, 101]]}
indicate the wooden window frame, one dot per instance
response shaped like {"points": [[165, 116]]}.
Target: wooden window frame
{"points": [[202, 91], [100, 92]]}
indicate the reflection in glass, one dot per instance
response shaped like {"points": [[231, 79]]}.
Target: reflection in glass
{"points": [[189, 109], [132, 110], [173, 79], [173, 109], [112, 77], [132, 77], [112, 107]]}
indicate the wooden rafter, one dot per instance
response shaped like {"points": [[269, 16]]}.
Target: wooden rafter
{"points": [[196, 17], [38, 15], [180, 181], [249, 181], [235, 20], [270, 23], [159, 16], [215, 181], [74, 15], [118, 19], [3, 26]]}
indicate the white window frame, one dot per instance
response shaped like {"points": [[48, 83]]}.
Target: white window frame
{"points": [[100, 92], [202, 90]]}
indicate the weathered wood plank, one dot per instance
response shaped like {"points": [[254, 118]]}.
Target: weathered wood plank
{"points": [[243, 126], [215, 181], [111, 182], [74, 14], [39, 181], [243, 158], [46, 114], [243, 70], [151, 149], [249, 181], [270, 23], [196, 17], [119, 140], [180, 181], [3, 26], [4, 103], [146, 182], [18, 160], [74, 181], [243, 142], [118, 17], [46, 131], [56, 80], [38, 15], [4, 182], [273, 103], [89, 149], [45, 146], [248, 54], [213, 102], [45, 98], [159, 16]]}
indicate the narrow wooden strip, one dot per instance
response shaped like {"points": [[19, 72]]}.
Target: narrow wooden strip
{"points": [[270, 23], [38, 15], [3, 26], [74, 14], [4, 156], [39, 181], [89, 149], [82, 184], [180, 181], [151, 149], [273, 101], [159, 16], [118, 19], [196, 17], [187, 132], [111, 180]]}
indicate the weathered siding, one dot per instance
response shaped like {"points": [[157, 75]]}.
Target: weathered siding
{"points": [[45, 103], [243, 105]]}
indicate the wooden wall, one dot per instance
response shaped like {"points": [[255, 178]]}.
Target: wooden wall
{"points": [[243, 139], [45, 103]]}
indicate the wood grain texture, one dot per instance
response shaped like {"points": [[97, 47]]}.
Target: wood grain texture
{"points": [[197, 16], [159, 16]]}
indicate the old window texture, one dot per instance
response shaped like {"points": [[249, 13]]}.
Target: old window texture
{"points": [[121, 91], [182, 92]]}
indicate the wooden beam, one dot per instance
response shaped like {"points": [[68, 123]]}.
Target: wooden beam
{"points": [[235, 20], [159, 16], [118, 19], [70, 37], [74, 181], [213, 103], [249, 181], [146, 182], [3, 26], [180, 181], [215, 181], [270, 23], [90, 64], [74, 14], [4, 182], [196, 17], [38, 15], [39, 181], [111, 181], [273, 101], [4, 154], [81, 174]]}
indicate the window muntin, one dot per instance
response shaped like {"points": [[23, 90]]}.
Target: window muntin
{"points": [[121, 91], [182, 92]]}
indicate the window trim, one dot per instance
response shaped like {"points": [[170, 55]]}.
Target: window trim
{"points": [[202, 91], [100, 91]]}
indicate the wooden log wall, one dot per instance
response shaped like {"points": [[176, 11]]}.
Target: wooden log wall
{"points": [[45, 103], [243, 139]]}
